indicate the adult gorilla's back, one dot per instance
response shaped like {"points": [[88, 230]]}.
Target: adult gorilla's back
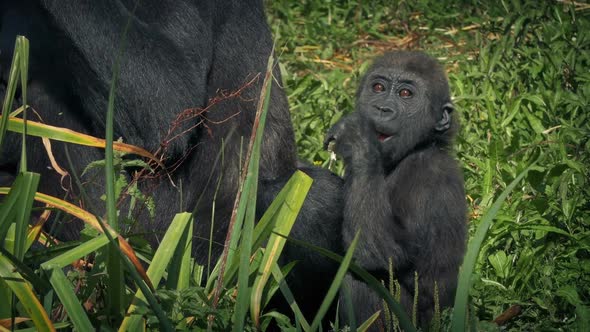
{"points": [[178, 55]]}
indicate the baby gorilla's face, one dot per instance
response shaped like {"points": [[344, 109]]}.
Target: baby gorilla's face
{"points": [[394, 104]]}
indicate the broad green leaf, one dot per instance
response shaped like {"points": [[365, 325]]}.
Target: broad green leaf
{"points": [[501, 263], [65, 291], [69, 136], [534, 121], [10, 278], [89, 219], [285, 219], [176, 231], [179, 270], [27, 183]]}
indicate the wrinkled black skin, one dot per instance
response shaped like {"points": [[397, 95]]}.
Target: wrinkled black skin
{"points": [[406, 194], [178, 55]]}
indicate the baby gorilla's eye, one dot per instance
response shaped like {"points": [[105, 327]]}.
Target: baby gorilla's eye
{"points": [[405, 93], [378, 87]]}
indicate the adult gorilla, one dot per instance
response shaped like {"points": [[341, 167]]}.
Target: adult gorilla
{"points": [[178, 55]]}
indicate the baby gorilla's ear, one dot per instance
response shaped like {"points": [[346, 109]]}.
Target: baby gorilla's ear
{"points": [[445, 122]]}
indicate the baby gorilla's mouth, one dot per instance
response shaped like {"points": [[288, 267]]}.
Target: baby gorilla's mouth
{"points": [[383, 137]]}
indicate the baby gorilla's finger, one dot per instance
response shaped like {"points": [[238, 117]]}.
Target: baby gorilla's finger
{"points": [[333, 135], [329, 142]]}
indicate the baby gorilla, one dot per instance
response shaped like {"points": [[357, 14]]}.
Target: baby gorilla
{"points": [[403, 188]]}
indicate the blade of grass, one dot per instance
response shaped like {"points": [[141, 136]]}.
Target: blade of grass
{"points": [[28, 186], [242, 300], [285, 220], [17, 212], [64, 290], [169, 245], [10, 88], [24, 292], [263, 227], [286, 291], [115, 296], [38, 129], [333, 290], [372, 282], [91, 220], [6, 213], [179, 270], [24, 69], [239, 206], [349, 307], [365, 326], [273, 285], [221, 156], [459, 318], [71, 255], [231, 242], [8, 209]]}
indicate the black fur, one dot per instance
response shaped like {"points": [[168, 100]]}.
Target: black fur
{"points": [[403, 188], [178, 55]]}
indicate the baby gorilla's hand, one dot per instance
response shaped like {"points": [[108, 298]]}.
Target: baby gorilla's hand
{"points": [[343, 137], [353, 139]]}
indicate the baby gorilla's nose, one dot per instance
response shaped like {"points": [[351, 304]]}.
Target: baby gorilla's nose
{"points": [[386, 113], [385, 109]]}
